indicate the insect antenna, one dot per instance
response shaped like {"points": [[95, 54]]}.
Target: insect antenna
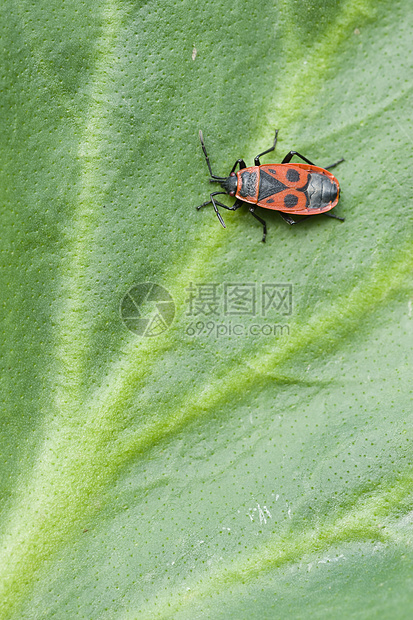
{"points": [[214, 178]]}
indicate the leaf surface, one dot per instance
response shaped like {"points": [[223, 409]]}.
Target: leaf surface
{"points": [[252, 459]]}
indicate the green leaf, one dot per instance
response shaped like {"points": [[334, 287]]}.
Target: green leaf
{"points": [[255, 462]]}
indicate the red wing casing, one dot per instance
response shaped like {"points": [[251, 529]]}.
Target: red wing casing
{"points": [[300, 189]]}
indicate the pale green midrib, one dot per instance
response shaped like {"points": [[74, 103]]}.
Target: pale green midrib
{"points": [[72, 340], [325, 329], [73, 335], [305, 78]]}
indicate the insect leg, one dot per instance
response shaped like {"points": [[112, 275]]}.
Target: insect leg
{"points": [[208, 202], [264, 224], [214, 204], [335, 164], [257, 159], [342, 219], [287, 218], [241, 163], [237, 204], [204, 204], [291, 154]]}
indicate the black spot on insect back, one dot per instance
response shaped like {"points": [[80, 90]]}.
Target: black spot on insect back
{"points": [[293, 175], [290, 201]]}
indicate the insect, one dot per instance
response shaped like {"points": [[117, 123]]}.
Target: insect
{"points": [[290, 189]]}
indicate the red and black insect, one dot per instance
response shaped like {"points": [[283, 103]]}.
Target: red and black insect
{"points": [[290, 189]]}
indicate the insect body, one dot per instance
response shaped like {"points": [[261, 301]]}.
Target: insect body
{"points": [[290, 189]]}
